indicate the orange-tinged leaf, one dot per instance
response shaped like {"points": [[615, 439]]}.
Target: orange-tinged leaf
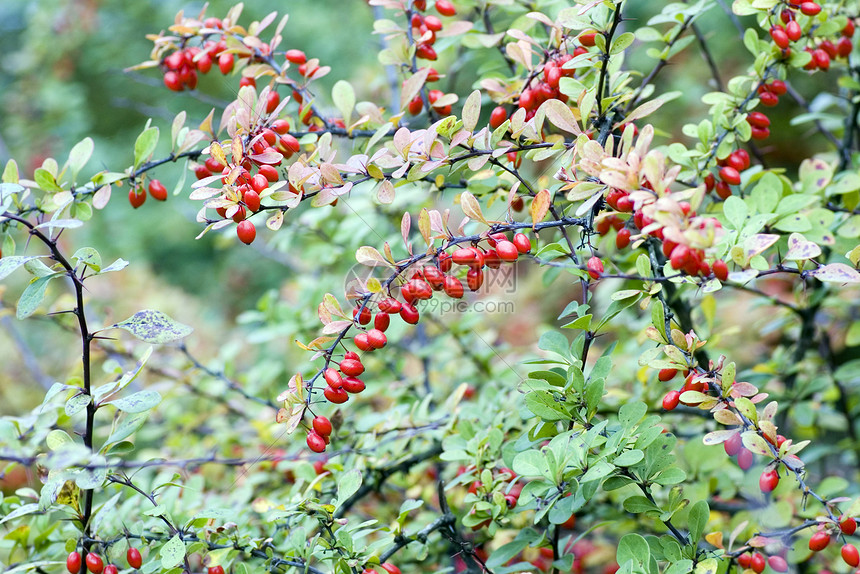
{"points": [[540, 206], [471, 207]]}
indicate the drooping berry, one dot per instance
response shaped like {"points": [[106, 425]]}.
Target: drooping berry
{"points": [[522, 243], [671, 400], [595, 267], [850, 555], [157, 190], [73, 562], [848, 525], [246, 232], [768, 481], [351, 367], [136, 197], [132, 556], [778, 564], [95, 564], [819, 541]]}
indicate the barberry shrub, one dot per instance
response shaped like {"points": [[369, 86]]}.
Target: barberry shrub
{"points": [[572, 319]]}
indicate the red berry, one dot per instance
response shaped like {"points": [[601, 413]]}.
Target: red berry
{"points": [[821, 59], [758, 563], [778, 87], [389, 305], [426, 52], [247, 81], [315, 442], [333, 378], [363, 318], [322, 425], [793, 31], [415, 105], [382, 321], [758, 120], [463, 256], [219, 569], [453, 287], [844, 47], [251, 198], [337, 396], [433, 23], [721, 270], [819, 541], [272, 101], [95, 564], [848, 525], [850, 555], [136, 197], [671, 400], [522, 243], [111, 569], [745, 459], [849, 28], [667, 374], [351, 367], [201, 172], [587, 39], [290, 143], [73, 562], [376, 338], [758, 134], [225, 63], [768, 99], [353, 385], [768, 481], [744, 560], [622, 240], [445, 8], [474, 279], [132, 555], [246, 232], [296, 56], [409, 313], [779, 36], [172, 81], [362, 343], [507, 251], [498, 116], [388, 566], [810, 8], [730, 175], [595, 267], [778, 563], [734, 445]]}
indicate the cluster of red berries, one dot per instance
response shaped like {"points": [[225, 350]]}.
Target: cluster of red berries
{"points": [[180, 67], [424, 28], [96, 565], [789, 30], [544, 87], [821, 540], [318, 437], [344, 381], [682, 257], [756, 562], [734, 447], [250, 185], [759, 125], [692, 382], [731, 167], [137, 195]]}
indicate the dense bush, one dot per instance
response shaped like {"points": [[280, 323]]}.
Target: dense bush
{"points": [[562, 331]]}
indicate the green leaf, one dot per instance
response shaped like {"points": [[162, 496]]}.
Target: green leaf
{"points": [[127, 426], [89, 257], [45, 180], [144, 146], [172, 553], [629, 458], [32, 296], [633, 547], [153, 327], [554, 342], [139, 402], [347, 485], [531, 463], [543, 404], [343, 96], [699, 514], [640, 504], [80, 155], [621, 43], [10, 264]]}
